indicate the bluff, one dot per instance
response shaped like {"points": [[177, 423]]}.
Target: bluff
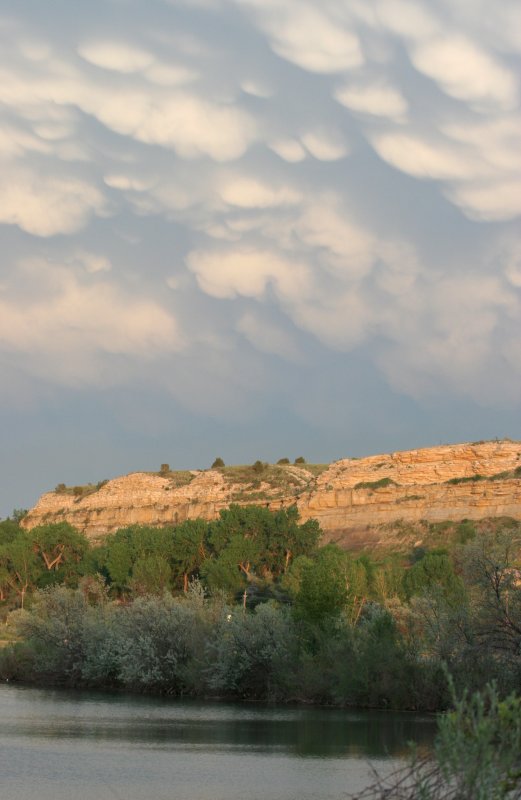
{"points": [[354, 500]]}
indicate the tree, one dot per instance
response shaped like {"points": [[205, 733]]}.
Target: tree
{"points": [[150, 575], [127, 546], [434, 569], [189, 547], [491, 567], [59, 546], [286, 539], [323, 590], [20, 565]]}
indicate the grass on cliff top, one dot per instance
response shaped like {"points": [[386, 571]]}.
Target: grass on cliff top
{"points": [[282, 480], [280, 477], [177, 478], [79, 491]]}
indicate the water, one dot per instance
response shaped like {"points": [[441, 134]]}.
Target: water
{"points": [[59, 745]]}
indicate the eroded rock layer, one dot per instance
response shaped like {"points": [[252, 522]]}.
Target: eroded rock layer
{"points": [[351, 496]]}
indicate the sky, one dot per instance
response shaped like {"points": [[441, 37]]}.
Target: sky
{"points": [[254, 229]]}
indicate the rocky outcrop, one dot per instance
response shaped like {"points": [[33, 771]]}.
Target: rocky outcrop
{"points": [[355, 499], [349, 499]]}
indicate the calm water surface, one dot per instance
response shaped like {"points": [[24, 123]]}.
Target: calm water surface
{"points": [[59, 745]]}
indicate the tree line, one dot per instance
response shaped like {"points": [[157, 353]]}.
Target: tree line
{"points": [[252, 606]]}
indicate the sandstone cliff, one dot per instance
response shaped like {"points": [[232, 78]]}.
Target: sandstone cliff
{"points": [[353, 499]]}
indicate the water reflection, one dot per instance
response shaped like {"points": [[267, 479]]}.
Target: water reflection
{"points": [[94, 745], [312, 732]]}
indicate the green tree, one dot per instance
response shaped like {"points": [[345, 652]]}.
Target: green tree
{"points": [[20, 565], [126, 547], [324, 586], [189, 548], [434, 569], [60, 546], [150, 575]]}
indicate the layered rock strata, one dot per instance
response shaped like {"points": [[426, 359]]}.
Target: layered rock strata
{"points": [[351, 496]]}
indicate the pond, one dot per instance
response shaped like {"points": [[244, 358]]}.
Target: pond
{"points": [[64, 745]]}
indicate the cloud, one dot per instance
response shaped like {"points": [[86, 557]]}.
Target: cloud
{"points": [[117, 56], [15, 141], [92, 262], [344, 248], [411, 19], [289, 150], [461, 342], [467, 72], [256, 89], [71, 328], [325, 145], [246, 192], [489, 200], [192, 125], [378, 99], [427, 156], [45, 205], [247, 272], [307, 37], [210, 163]]}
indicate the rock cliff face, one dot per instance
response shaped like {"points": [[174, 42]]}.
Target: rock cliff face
{"points": [[352, 499]]}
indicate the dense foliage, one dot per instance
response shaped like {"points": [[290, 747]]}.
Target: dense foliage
{"points": [[250, 606]]}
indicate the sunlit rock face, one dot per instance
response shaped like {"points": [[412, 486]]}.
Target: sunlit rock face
{"points": [[352, 499]]}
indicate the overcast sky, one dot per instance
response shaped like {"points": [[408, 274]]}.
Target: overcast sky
{"points": [[254, 229]]}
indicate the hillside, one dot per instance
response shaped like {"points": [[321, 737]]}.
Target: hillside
{"points": [[358, 502]]}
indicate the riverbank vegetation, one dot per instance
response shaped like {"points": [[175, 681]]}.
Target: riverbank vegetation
{"points": [[476, 755], [250, 606]]}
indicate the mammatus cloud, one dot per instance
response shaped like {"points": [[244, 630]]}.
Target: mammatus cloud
{"points": [[306, 36], [211, 195], [465, 71], [378, 99], [45, 205]]}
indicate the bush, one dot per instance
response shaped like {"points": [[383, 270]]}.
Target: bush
{"points": [[283, 461], [253, 654], [218, 463], [300, 460], [259, 466], [477, 755], [164, 468], [381, 484], [158, 642]]}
